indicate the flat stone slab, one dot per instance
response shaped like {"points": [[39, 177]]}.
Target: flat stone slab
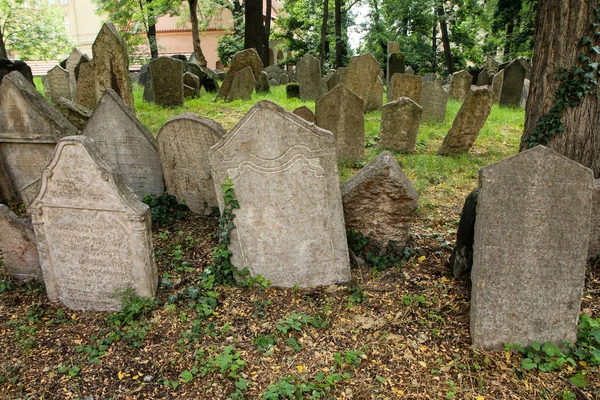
{"points": [[399, 127], [460, 85], [405, 85], [434, 100], [242, 86], [308, 74], [165, 82], [18, 246]]}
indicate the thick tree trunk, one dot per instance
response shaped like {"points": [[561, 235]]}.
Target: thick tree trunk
{"points": [[151, 35], [3, 53], [323, 47], [266, 58], [254, 33], [339, 44], [196, 34], [445, 39], [559, 28]]}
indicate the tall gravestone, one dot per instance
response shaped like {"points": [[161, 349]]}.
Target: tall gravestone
{"points": [[165, 82], [242, 86], [375, 100], [57, 84], [308, 74], [497, 82], [393, 47], [29, 130], [94, 236], [18, 246], [241, 60], [484, 78], [490, 64], [468, 122], [71, 63], [87, 87], [290, 224], [400, 121], [262, 83], [184, 142], [512, 88], [524, 93], [405, 85], [434, 100], [395, 65], [125, 142], [337, 78], [529, 255], [340, 111], [362, 74], [460, 85]]}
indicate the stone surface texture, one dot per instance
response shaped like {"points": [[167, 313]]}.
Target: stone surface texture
{"points": [[87, 88], [57, 84], [375, 100], [484, 78], [594, 246], [184, 142], [165, 84], [404, 85], [395, 65], [529, 254], [77, 114], [524, 93], [512, 87], [461, 260], [290, 224], [71, 63], [338, 77], [94, 236], [18, 247], [409, 70], [380, 201], [460, 85], [262, 83], [308, 74], [305, 113], [434, 100], [362, 75], [400, 120], [241, 60], [242, 85], [497, 82], [430, 77]]}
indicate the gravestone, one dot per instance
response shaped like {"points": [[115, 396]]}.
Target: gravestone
{"points": [[274, 72], [165, 82], [273, 82], [76, 114], [242, 85], [528, 264], [262, 83], [7, 66], [305, 113], [340, 111], [400, 121], [241, 60], [183, 143], [308, 74], [125, 142], [497, 83], [85, 93], [361, 77], [56, 84], [393, 47], [434, 100], [29, 130], [512, 88], [94, 235], [380, 201], [18, 246], [461, 259], [468, 122], [594, 246], [484, 78], [409, 70], [193, 83], [290, 224], [429, 77], [284, 79], [338, 77], [395, 65], [524, 94], [404, 85], [292, 91], [375, 100], [111, 64], [71, 63], [490, 64], [460, 85]]}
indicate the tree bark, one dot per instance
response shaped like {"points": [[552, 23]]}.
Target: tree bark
{"points": [[509, 32], [3, 53], [151, 35], [559, 28], [434, 47], [266, 58], [254, 30], [338, 34], [196, 34], [445, 38], [323, 47]]}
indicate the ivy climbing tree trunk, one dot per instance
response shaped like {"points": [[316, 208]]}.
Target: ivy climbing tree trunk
{"points": [[560, 26], [196, 34]]}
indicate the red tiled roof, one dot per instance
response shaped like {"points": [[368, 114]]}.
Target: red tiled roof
{"points": [[40, 68]]}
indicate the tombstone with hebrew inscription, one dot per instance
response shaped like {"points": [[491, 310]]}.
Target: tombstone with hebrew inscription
{"points": [[362, 75], [165, 84], [529, 254], [434, 100], [460, 85], [57, 84], [512, 86], [405, 85], [308, 74], [290, 224], [94, 235]]}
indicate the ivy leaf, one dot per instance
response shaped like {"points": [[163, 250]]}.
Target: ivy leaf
{"points": [[578, 380], [528, 364], [585, 41]]}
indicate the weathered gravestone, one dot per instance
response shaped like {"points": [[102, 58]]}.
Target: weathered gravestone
{"points": [[429, 77], [183, 143], [529, 254], [7, 66], [395, 65], [460, 85], [434, 100], [125, 142], [338, 77], [93, 233], [262, 83], [468, 122], [29, 130], [76, 114], [524, 93], [375, 100], [292, 90], [18, 246], [380, 201], [484, 78], [57, 84], [191, 85], [242, 85], [241, 60], [305, 113], [361, 77], [461, 259], [308, 74], [497, 83], [290, 224], [400, 121], [285, 79], [274, 72], [71, 63], [490, 64], [393, 47], [409, 70], [404, 85], [87, 87], [340, 111], [512, 88], [165, 82], [594, 246]]}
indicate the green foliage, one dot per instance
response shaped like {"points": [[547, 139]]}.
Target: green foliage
{"points": [[222, 269], [297, 320], [6, 285], [264, 343], [72, 370], [164, 209], [227, 47], [379, 258], [128, 324]]}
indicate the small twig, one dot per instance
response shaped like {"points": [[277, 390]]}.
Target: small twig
{"points": [[577, 390]]}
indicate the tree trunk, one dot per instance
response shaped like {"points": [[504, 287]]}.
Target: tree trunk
{"points": [[559, 27], [254, 31], [267, 59], [434, 46], [3, 53], [509, 32], [323, 48], [338, 34], [445, 38], [151, 34], [196, 34]]}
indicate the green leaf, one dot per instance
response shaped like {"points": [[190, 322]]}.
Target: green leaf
{"points": [[528, 364], [186, 376], [578, 380], [551, 349]]}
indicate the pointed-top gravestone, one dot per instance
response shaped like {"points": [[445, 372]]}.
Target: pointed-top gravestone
{"points": [[305, 113], [86, 93], [490, 64], [93, 233], [512, 87], [460, 85], [338, 77], [375, 100], [290, 224], [77, 115], [395, 65], [400, 121], [409, 70], [529, 255], [429, 77], [70, 64], [126, 143], [434, 100], [340, 111], [242, 86], [380, 201], [262, 83], [484, 78], [184, 142], [56, 84], [308, 75], [241, 60], [497, 82], [405, 85], [18, 246], [362, 74], [165, 82], [29, 130]]}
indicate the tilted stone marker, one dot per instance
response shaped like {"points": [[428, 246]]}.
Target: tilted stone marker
{"points": [[305, 113], [528, 264], [18, 246], [497, 83], [262, 83], [165, 82], [490, 64], [338, 77], [512, 88], [274, 72], [57, 84], [430, 77], [87, 87], [524, 93], [484, 78], [184, 142], [29, 130], [241, 60], [375, 100], [434, 100], [308, 74], [404, 85], [340, 111], [409, 70], [70, 64], [362, 75], [468, 122], [94, 235], [192, 83], [290, 224], [460, 85], [285, 79], [400, 121], [395, 65], [594, 247], [77, 115], [242, 85], [125, 142], [380, 201]]}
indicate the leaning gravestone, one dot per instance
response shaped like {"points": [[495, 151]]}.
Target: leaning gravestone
{"points": [[468, 122], [497, 83], [405, 85], [29, 130], [338, 77], [375, 100], [242, 85], [274, 72], [77, 114], [93, 233], [165, 82], [18, 246], [285, 177], [85, 93], [434, 100], [241, 60], [490, 64], [184, 142], [484, 78], [380, 201], [400, 121], [262, 83], [305, 113], [395, 65], [361, 77], [460, 85], [340, 111], [192, 82], [512, 88], [308, 74], [125, 142], [7, 66], [56, 84], [528, 264], [70, 64]]}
